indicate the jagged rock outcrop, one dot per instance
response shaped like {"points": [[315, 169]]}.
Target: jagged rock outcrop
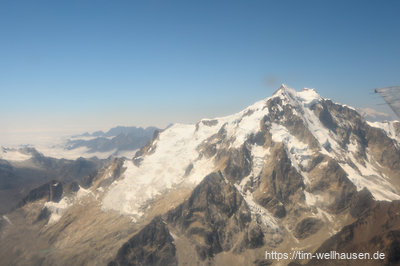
{"points": [[212, 217], [291, 172], [215, 218], [307, 227], [153, 245], [51, 191], [377, 230], [18, 178]]}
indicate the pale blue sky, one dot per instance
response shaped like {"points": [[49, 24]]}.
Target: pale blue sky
{"points": [[96, 64]]}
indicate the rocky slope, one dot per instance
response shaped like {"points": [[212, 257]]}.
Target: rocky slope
{"points": [[378, 229], [26, 169], [290, 172]]}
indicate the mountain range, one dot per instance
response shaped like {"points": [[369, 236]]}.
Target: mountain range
{"points": [[292, 172], [116, 140], [24, 168]]}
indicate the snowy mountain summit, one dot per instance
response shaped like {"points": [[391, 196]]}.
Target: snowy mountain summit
{"points": [[307, 126], [287, 173]]}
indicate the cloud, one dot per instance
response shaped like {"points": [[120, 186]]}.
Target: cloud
{"points": [[271, 81], [373, 115]]}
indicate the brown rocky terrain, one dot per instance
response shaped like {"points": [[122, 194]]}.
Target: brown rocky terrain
{"points": [[294, 172]]}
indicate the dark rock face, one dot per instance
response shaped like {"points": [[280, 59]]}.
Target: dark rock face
{"points": [[273, 205], [325, 116], [2, 223], [230, 212], [6, 175], [72, 187], [283, 179], [362, 202], [16, 181], [255, 238], [153, 245], [116, 172], [188, 169], [210, 123], [238, 164], [396, 126], [149, 148], [213, 216], [294, 124], [51, 191], [345, 193], [385, 149], [342, 120], [279, 185], [332, 175], [209, 147], [43, 215], [307, 227], [378, 229], [349, 126]]}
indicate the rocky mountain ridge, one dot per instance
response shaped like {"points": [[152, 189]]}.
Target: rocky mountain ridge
{"points": [[26, 168], [287, 173]]}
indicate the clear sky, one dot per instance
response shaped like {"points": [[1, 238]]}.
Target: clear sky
{"points": [[87, 65]]}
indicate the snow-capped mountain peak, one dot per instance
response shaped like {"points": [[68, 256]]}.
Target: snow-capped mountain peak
{"points": [[307, 125], [287, 172]]}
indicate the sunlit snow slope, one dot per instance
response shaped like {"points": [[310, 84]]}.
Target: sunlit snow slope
{"points": [[176, 157]]}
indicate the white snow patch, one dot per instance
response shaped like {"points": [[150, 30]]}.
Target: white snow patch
{"points": [[389, 128], [308, 97], [352, 147], [173, 235], [261, 213], [366, 177], [324, 136], [324, 215], [162, 170], [344, 105], [257, 210], [366, 170], [243, 124], [177, 148], [323, 164], [7, 220], [298, 151], [57, 209], [303, 100], [312, 199], [259, 154], [380, 188]]}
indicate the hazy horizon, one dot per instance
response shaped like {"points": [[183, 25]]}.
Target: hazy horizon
{"points": [[71, 67], [39, 135]]}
